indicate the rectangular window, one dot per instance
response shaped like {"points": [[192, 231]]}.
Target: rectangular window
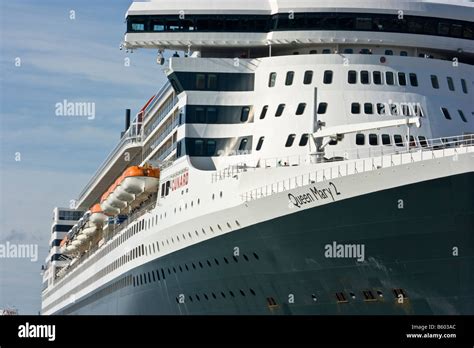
{"points": [[450, 83], [398, 140], [352, 77], [211, 147], [212, 82], [377, 76], [446, 113], [304, 140], [402, 80], [272, 79], [355, 108], [260, 143], [434, 81], [300, 108], [211, 113], [418, 110], [327, 77], [423, 141], [138, 26], [386, 139], [289, 78], [388, 52], [264, 112], [244, 116], [199, 147], [279, 110], [393, 109], [413, 80], [464, 86], [322, 107], [200, 81], [373, 139], [308, 77], [364, 77], [368, 108], [360, 139], [289, 141], [461, 114], [389, 78]]}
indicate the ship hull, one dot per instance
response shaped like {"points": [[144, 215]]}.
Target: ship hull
{"points": [[418, 258]]}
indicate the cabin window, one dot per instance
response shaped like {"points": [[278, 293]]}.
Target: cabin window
{"points": [[200, 81], [243, 144], [355, 108], [244, 116], [327, 80], [260, 143], [373, 139], [360, 139], [398, 140], [279, 110], [434, 81], [377, 76], [388, 52], [264, 112], [352, 77], [368, 108], [272, 79], [389, 79], [402, 80], [413, 80], [300, 108], [386, 139], [450, 83], [304, 140], [461, 114], [290, 140], [289, 78], [322, 107], [364, 77], [464, 86], [308, 77], [446, 113]]}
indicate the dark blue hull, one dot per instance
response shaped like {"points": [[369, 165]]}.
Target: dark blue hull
{"points": [[411, 262]]}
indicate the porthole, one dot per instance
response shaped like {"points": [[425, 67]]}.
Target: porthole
{"points": [[189, 234], [200, 264], [180, 269], [206, 297], [219, 227], [203, 231], [237, 223], [212, 230], [220, 194], [222, 294], [197, 234], [194, 266], [186, 266], [256, 256], [214, 296], [226, 261], [216, 262], [242, 292], [228, 225], [209, 263], [231, 293], [252, 292], [246, 258], [235, 258]]}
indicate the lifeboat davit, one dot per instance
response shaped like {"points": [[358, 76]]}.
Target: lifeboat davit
{"points": [[133, 182]]}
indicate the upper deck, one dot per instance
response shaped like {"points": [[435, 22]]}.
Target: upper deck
{"points": [[199, 25]]}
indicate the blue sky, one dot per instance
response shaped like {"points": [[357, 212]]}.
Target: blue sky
{"points": [[76, 60]]}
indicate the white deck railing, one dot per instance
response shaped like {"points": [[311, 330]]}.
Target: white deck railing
{"points": [[435, 148]]}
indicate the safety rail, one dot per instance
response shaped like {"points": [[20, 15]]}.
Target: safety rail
{"points": [[156, 98], [129, 137], [436, 148]]}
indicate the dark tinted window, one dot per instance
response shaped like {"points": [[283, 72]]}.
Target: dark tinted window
{"points": [[355, 108], [446, 113], [461, 114], [368, 108], [304, 140], [434, 81], [308, 77], [402, 80], [327, 77], [279, 110], [352, 76], [264, 112], [289, 78], [450, 83], [464, 86], [300, 108], [260, 143], [377, 76], [289, 141], [413, 80], [373, 139], [364, 77], [360, 139], [386, 139], [389, 52], [389, 78], [398, 140], [244, 116], [322, 107], [243, 144]]}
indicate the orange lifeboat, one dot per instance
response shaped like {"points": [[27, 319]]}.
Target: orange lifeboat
{"points": [[133, 182]]}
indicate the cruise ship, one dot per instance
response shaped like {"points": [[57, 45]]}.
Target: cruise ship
{"points": [[303, 157]]}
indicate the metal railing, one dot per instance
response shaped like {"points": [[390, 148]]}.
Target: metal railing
{"points": [[435, 148], [129, 137], [157, 98]]}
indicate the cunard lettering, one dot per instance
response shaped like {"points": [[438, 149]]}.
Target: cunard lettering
{"points": [[181, 179], [315, 194]]}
